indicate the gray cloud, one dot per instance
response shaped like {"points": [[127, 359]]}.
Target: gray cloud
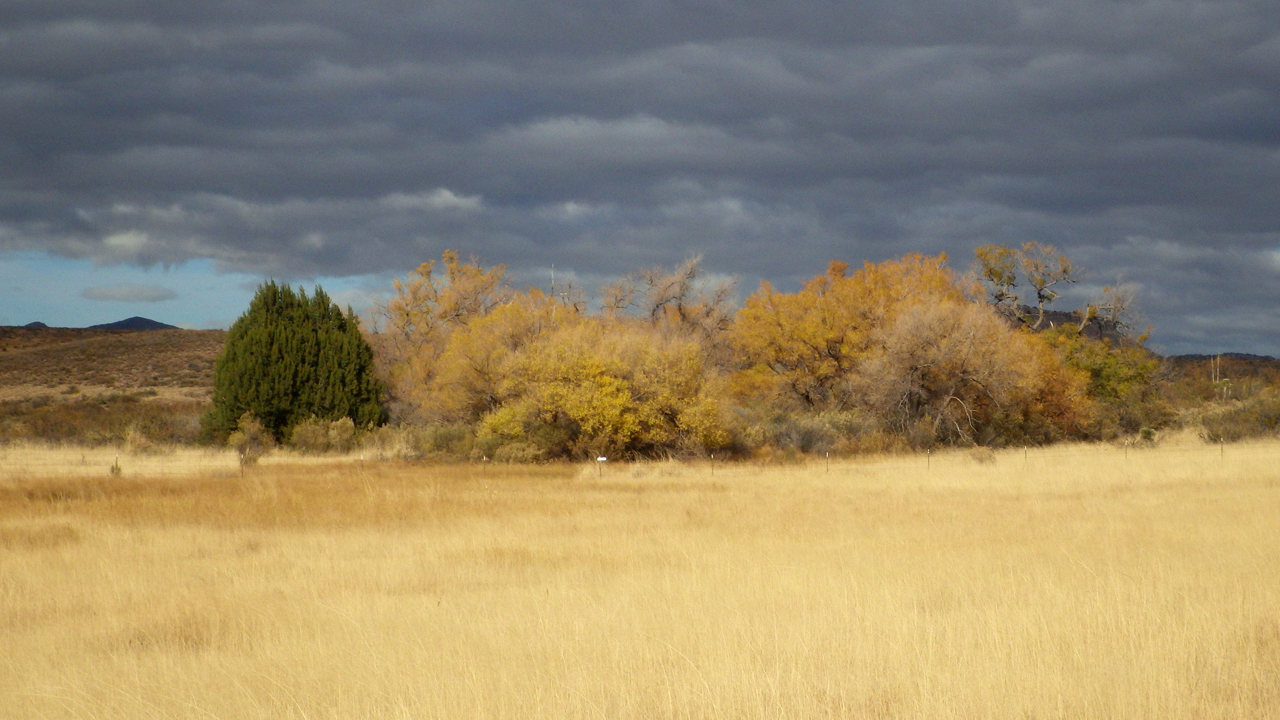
{"points": [[325, 138], [129, 293]]}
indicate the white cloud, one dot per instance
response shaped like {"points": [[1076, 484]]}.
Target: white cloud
{"points": [[129, 242], [579, 141], [573, 210], [438, 199], [312, 241]]}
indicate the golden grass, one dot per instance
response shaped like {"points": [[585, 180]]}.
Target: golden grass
{"points": [[22, 461], [1070, 582]]}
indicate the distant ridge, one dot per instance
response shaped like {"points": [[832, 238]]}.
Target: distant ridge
{"points": [[36, 324], [1234, 355], [134, 323]]}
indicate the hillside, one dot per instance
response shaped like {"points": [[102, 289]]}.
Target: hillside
{"points": [[90, 387], [1231, 376], [36, 360]]}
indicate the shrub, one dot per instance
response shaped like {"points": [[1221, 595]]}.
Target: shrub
{"points": [[314, 436], [846, 432], [388, 442], [310, 437], [440, 442], [1257, 417], [983, 455], [251, 440], [517, 452], [341, 435], [137, 442]]}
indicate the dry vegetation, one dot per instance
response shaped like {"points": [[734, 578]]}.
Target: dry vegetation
{"points": [[1068, 582], [105, 387], [107, 360]]}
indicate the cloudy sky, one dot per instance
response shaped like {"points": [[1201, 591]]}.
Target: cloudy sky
{"points": [[161, 158]]}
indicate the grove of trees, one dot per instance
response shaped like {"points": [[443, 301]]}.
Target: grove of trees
{"points": [[904, 353]]}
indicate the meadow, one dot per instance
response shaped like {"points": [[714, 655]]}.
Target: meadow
{"points": [[1064, 582]]}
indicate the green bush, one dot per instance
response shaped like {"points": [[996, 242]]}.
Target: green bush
{"points": [[289, 358]]}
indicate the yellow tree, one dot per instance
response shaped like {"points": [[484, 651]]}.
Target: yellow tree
{"points": [[607, 387], [472, 369], [426, 309], [810, 343], [1062, 408]]}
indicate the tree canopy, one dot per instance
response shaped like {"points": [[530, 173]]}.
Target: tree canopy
{"points": [[892, 354], [290, 358]]}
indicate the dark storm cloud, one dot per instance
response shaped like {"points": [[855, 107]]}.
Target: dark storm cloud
{"points": [[312, 138]]}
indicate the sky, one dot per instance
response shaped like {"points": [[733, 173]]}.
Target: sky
{"points": [[162, 159]]}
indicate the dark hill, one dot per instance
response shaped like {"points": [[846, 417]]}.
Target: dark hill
{"points": [[1228, 365], [36, 324], [133, 323]]}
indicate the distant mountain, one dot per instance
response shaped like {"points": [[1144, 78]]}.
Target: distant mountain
{"points": [[1243, 370], [1247, 357], [134, 323], [36, 324]]}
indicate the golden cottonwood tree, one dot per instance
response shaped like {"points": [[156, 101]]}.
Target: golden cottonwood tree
{"points": [[418, 321], [810, 343], [471, 373], [1062, 408], [607, 387]]}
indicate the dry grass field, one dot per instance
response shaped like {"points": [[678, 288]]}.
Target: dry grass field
{"points": [[1068, 582]]}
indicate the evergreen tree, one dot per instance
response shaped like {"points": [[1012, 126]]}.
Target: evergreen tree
{"points": [[289, 358]]}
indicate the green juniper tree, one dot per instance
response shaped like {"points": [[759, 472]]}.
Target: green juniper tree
{"points": [[289, 358]]}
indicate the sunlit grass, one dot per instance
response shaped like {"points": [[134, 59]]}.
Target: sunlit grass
{"points": [[1068, 582]]}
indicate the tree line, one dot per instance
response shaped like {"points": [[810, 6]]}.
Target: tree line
{"points": [[906, 353]]}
